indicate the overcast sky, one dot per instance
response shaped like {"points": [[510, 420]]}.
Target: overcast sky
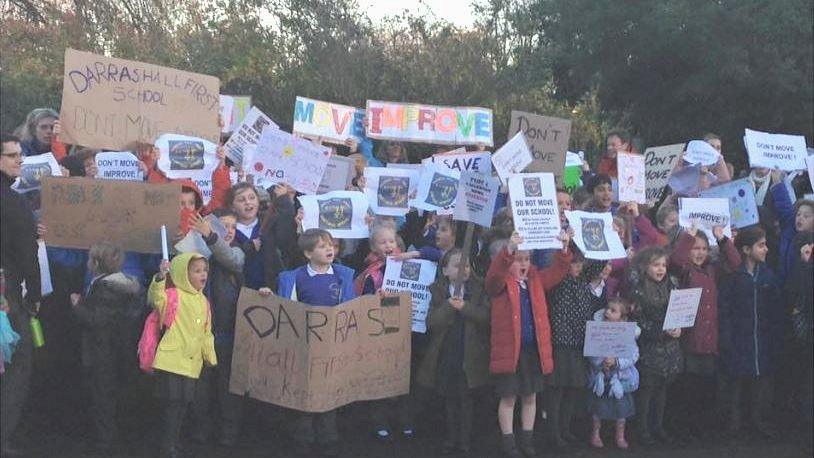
{"points": [[459, 12]]}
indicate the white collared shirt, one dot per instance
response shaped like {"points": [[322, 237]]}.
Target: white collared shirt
{"points": [[247, 229]]}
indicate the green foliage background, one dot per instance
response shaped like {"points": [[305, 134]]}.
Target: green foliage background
{"points": [[668, 70]]}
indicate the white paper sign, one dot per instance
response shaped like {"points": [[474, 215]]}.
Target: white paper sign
{"points": [[682, 308], [283, 158], [459, 160], [607, 339], [534, 209], [246, 136], [437, 189], [342, 213], [742, 202], [46, 287], [193, 242], [786, 152], [183, 156], [699, 152], [513, 157], [476, 198], [227, 105], [632, 185], [594, 235], [118, 166], [414, 276], [388, 190], [338, 174], [33, 169], [706, 213], [415, 175]]}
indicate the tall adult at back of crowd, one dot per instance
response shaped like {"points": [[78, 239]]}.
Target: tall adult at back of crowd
{"points": [[18, 258]]}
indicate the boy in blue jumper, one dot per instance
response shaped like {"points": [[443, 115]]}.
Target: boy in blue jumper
{"points": [[320, 282]]}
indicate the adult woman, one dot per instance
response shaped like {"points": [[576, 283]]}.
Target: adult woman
{"points": [[39, 130]]}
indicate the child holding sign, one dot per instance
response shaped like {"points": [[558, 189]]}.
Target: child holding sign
{"points": [[521, 335], [458, 332], [692, 262], [661, 356]]}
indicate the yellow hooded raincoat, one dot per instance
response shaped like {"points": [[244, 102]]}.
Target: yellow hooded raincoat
{"points": [[189, 342]]}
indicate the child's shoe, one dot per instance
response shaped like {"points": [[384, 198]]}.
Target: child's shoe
{"points": [[620, 435], [382, 435], [509, 446], [526, 445], [408, 433], [596, 439]]}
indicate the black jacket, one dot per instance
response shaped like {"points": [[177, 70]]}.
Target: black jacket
{"points": [[18, 244]]}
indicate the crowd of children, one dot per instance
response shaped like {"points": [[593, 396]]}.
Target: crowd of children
{"points": [[499, 315]]}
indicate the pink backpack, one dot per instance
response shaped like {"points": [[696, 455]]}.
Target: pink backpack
{"points": [[154, 330]]}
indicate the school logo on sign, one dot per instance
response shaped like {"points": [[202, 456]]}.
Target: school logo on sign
{"points": [[532, 187], [392, 191], [186, 155], [410, 271], [335, 213], [593, 234], [31, 174], [259, 124], [442, 190]]}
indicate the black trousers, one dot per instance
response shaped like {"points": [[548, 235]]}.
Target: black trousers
{"points": [[15, 381], [213, 390], [759, 391], [316, 428]]}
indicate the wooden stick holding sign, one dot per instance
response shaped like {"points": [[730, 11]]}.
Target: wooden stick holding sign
{"points": [[459, 282]]}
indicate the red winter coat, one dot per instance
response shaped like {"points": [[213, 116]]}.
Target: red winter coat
{"points": [[702, 338], [505, 294]]}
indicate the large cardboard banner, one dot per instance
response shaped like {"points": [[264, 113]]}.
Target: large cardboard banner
{"points": [[659, 162], [80, 212], [283, 158], [414, 122], [316, 359], [786, 152], [534, 209], [547, 138], [330, 122], [109, 102]]}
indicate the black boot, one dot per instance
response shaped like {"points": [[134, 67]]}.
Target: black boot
{"points": [[643, 402], [509, 446], [452, 421], [465, 434], [527, 444]]}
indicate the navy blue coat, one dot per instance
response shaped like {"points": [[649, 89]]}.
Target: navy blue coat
{"points": [[751, 316]]}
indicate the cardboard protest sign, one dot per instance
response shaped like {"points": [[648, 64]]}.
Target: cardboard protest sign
{"points": [[109, 102], [547, 138], [706, 213], [247, 134], [388, 190], [459, 160], [594, 235], [342, 213], [413, 276], [33, 170], [330, 122], [80, 212], [659, 162], [475, 202], [742, 202], [699, 152], [607, 339], [511, 158], [315, 359], [534, 209], [283, 158], [413, 122], [437, 190], [186, 157], [338, 174], [786, 152], [227, 106], [682, 308], [118, 166], [631, 178]]}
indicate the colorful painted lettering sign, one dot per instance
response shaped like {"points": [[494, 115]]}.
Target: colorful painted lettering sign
{"points": [[327, 121], [420, 123]]}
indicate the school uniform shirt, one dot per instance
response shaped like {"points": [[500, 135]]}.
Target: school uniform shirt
{"points": [[305, 285]]}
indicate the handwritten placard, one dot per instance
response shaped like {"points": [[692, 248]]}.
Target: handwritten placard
{"points": [[705, 214], [413, 276], [80, 212], [607, 339], [283, 158], [316, 359], [659, 162], [547, 138], [534, 209], [109, 102], [414, 122], [631, 178], [330, 122], [460, 160], [243, 142], [682, 308]]}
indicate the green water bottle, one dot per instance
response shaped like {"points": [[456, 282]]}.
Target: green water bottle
{"points": [[36, 332]]}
